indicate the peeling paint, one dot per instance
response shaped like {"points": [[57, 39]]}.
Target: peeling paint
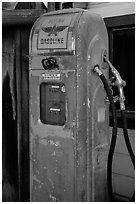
{"points": [[39, 129], [54, 199], [51, 182], [47, 141], [36, 179], [88, 103], [53, 154]]}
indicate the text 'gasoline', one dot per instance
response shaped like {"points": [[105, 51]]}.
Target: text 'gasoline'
{"points": [[52, 41]]}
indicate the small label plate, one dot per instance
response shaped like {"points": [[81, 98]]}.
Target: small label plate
{"points": [[51, 76]]}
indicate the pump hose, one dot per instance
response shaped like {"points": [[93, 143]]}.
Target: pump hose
{"points": [[120, 84], [114, 137], [114, 134]]}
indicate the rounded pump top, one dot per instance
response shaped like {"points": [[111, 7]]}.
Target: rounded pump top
{"points": [[56, 31]]}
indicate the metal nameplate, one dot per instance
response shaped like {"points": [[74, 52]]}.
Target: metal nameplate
{"points": [[51, 76], [53, 33]]}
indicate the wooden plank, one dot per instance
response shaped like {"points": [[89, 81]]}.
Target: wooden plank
{"points": [[52, 6], [30, 5], [24, 42], [110, 35], [20, 17], [120, 143], [19, 99], [122, 164], [15, 64], [129, 114], [116, 21], [83, 5], [123, 185], [109, 9], [9, 127], [123, 170]]}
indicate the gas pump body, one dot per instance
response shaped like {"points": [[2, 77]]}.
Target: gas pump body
{"points": [[68, 111]]}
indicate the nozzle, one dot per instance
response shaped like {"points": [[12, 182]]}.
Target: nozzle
{"points": [[119, 82]]}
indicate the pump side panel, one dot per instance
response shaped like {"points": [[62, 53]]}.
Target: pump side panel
{"points": [[52, 147], [93, 126]]}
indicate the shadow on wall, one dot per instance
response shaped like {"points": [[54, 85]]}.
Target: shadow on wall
{"points": [[9, 146]]}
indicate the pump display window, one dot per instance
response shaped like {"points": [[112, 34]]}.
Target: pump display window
{"points": [[52, 104]]}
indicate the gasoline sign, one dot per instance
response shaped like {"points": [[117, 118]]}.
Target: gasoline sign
{"points": [[53, 32]]}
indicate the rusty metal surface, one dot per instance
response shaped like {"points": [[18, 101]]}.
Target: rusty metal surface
{"points": [[92, 130], [53, 148], [68, 163]]}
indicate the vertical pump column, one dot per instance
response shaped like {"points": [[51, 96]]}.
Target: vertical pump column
{"points": [[68, 111]]}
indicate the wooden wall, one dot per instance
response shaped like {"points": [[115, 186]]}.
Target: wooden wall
{"points": [[122, 168], [15, 98], [16, 26], [111, 9], [15, 111], [9, 120]]}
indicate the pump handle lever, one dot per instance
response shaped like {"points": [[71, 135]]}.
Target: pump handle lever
{"points": [[119, 82]]}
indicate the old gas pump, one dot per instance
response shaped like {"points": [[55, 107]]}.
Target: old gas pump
{"points": [[68, 108]]}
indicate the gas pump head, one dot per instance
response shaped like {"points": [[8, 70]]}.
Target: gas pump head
{"points": [[69, 128]]}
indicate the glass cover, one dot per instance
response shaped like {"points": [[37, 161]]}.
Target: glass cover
{"points": [[52, 103]]}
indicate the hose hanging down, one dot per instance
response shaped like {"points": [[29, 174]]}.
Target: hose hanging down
{"points": [[114, 131], [120, 84]]}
